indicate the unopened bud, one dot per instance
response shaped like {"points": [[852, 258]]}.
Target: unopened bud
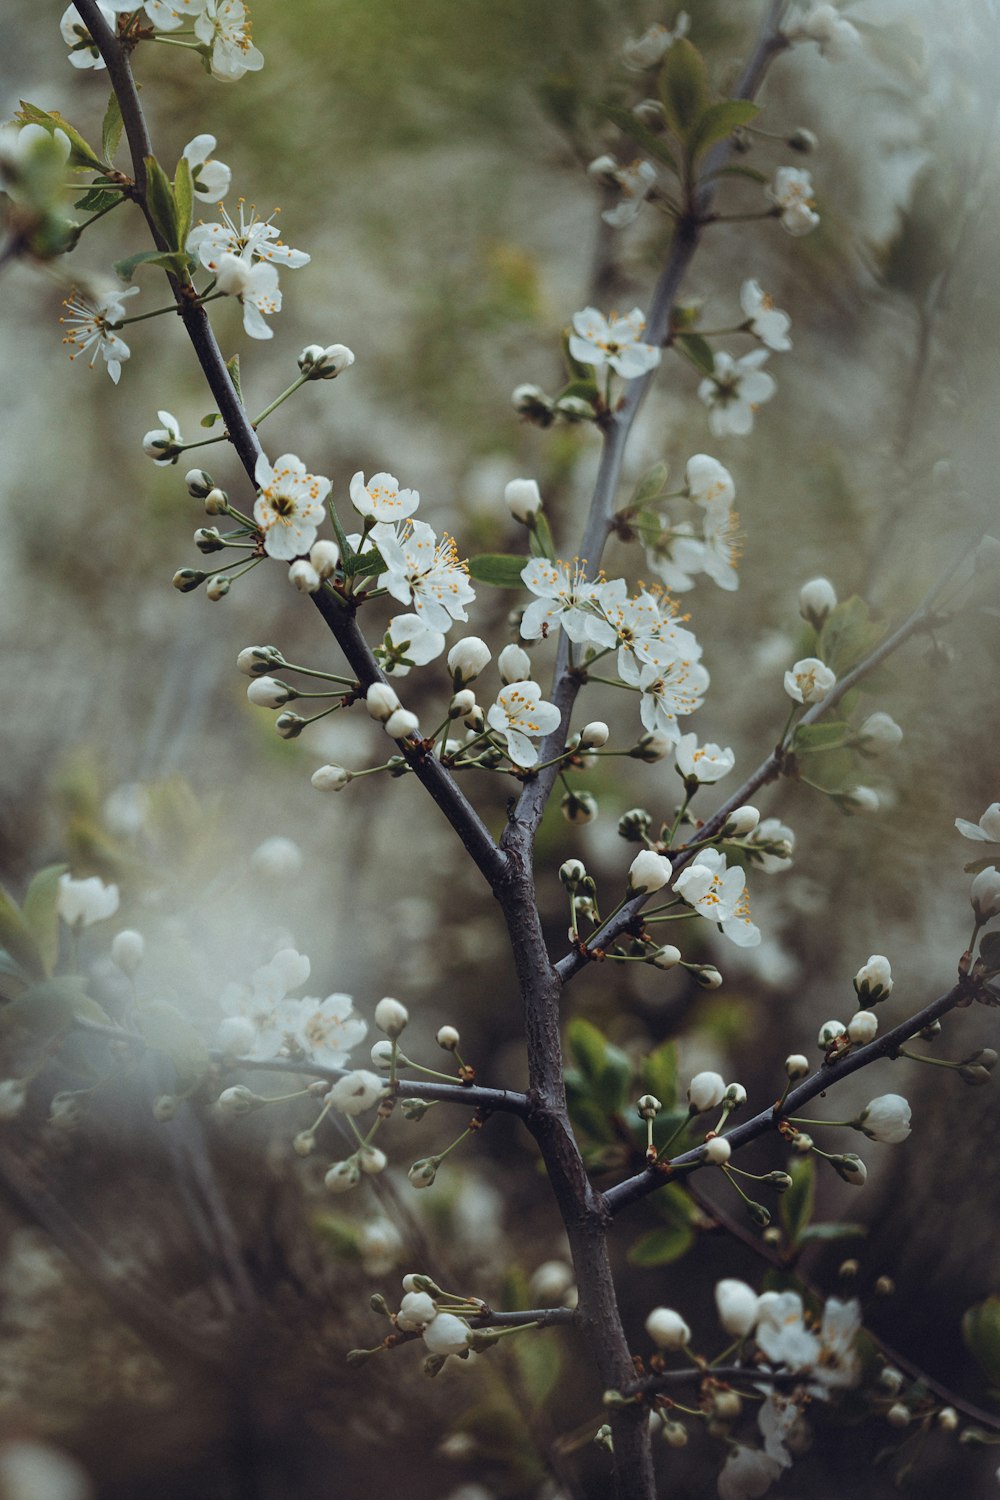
{"points": [[634, 825], [165, 1107], [290, 725], [186, 579], [802, 140], [218, 587], [448, 1038], [198, 483], [579, 807], [667, 957], [648, 1106], [533, 404], [216, 502], [741, 822], [207, 539], [796, 1066]]}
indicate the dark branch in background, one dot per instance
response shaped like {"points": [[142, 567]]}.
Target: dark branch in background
{"points": [[646, 1182], [771, 768]]}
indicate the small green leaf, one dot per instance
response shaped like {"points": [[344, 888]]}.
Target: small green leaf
{"points": [[161, 202], [111, 129], [810, 738], [176, 261], [95, 199], [50, 1006], [700, 351], [651, 486], [654, 145], [184, 199], [81, 156], [210, 420], [365, 564], [167, 1030], [499, 569], [981, 1332], [847, 635], [659, 1073], [233, 366], [720, 120], [796, 1206], [539, 1364], [823, 1232], [649, 526], [541, 538], [738, 170], [605, 1068], [18, 939], [584, 389], [41, 915], [661, 1247], [684, 89]]}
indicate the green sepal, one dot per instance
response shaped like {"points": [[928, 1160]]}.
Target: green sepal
{"points": [[683, 86], [737, 169], [498, 569], [211, 419], [175, 261], [81, 156], [111, 129]]}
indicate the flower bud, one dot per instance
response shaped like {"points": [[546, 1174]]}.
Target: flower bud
{"points": [[891, 1380], [448, 1038], [858, 799], [802, 140], [604, 169], [735, 1095], [886, 1118], [594, 735], [372, 1161], [186, 579], [649, 872], [128, 949], [634, 825], [289, 725], [741, 821], [207, 539], [817, 599], [342, 1176], [381, 701], [879, 734], [648, 1106], [447, 1334], [572, 872], [947, 1419], [216, 502], [198, 483], [218, 587], [467, 659], [706, 976], [324, 556], [863, 1027], [331, 778], [667, 957], [254, 661], [737, 1305], [319, 363], [796, 1066], [727, 1406], [898, 1415], [381, 1056], [575, 409], [391, 1017], [873, 981], [416, 1310], [579, 807], [13, 1097], [165, 1107], [717, 1151], [462, 704], [356, 1092], [675, 1434], [829, 1033], [652, 747], [424, 1171], [514, 664], [234, 1102], [706, 1091], [523, 500], [270, 692], [303, 576], [412, 1109], [667, 1328], [985, 894], [851, 1168], [401, 724], [304, 1143], [533, 404]]}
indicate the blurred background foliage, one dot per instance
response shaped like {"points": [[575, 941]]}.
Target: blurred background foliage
{"points": [[430, 158]]}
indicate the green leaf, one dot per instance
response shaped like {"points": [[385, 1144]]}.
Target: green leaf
{"points": [[809, 738], [700, 351], [606, 1069], [81, 156], [364, 564], [541, 538], [210, 420], [720, 120], [684, 89], [176, 261], [796, 1206], [659, 1073], [539, 1364], [823, 1232], [654, 145], [233, 366], [499, 569], [738, 170], [16, 936], [111, 129], [184, 199], [50, 1006], [40, 913], [847, 635], [167, 1030], [161, 202], [660, 1247], [649, 526], [95, 199], [651, 486], [585, 389], [981, 1332]]}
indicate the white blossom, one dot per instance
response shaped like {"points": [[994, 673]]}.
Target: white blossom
{"points": [[736, 1303], [709, 483], [84, 52], [83, 902], [719, 894], [381, 498], [613, 340], [791, 190], [817, 600], [636, 181], [416, 642], [447, 1334], [985, 894], [886, 1118], [706, 763], [425, 572], [289, 507], [401, 724], [325, 1030], [668, 692], [836, 37], [250, 238], [987, 830], [356, 1092], [224, 26], [523, 499], [667, 1328], [467, 659], [644, 630], [158, 443], [520, 714], [768, 322], [277, 858], [325, 362], [747, 1473], [781, 1331], [640, 53], [92, 321], [734, 391], [255, 286], [771, 846], [809, 680], [211, 177], [649, 871], [169, 15], [514, 664], [706, 1091], [565, 599]]}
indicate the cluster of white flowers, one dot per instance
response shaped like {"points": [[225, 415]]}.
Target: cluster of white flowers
{"points": [[264, 1022], [243, 256], [222, 27], [678, 554], [443, 1332], [636, 182], [718, 892]]}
